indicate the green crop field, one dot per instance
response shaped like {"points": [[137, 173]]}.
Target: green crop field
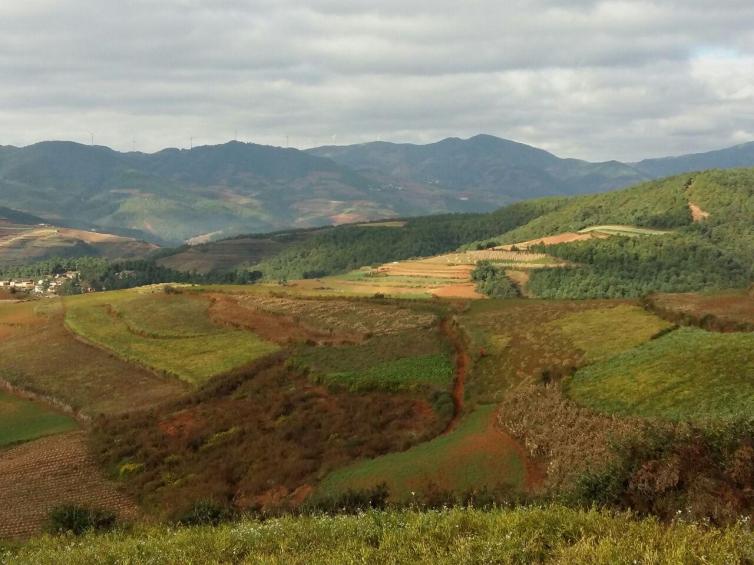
{"points": [[22, 420], [388, 362], [203, 351], [604, 332], [516, 340], [687, 374], [400, 373], [164, 315], [474, 455]]}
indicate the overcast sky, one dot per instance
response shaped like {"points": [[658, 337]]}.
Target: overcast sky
{"points": [[589, 79]]}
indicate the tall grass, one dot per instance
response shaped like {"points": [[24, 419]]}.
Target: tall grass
{"points": [[551, 534]]}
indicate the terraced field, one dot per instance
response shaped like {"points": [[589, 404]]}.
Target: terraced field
{"points": [[164, 332], [687, 374]]}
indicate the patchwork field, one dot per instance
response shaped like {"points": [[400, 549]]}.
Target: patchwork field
{"points": [[686, 374], [38, 354], [22, 420], [389, 362], [512, 341], [166, 332], [476, 455], [442, 276]]}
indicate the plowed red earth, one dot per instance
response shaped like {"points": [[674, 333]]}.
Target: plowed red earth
{"points": [[39, 475]]}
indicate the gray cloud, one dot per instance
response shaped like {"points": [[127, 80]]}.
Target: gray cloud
{"points": [[591, 79]]}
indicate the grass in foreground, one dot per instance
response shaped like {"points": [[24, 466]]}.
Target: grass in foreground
{"points": [[551, 534], [685, 375], [146, 329], [22, 420], [475, 455]]}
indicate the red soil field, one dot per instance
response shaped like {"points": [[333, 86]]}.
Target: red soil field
{"points": [[39, 475]]}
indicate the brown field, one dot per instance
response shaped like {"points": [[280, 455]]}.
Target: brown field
{"points": [[463, 290], [39, 475], [220, 255], [249, 314], [725, 311], [38, 354], [19, 243], [349, 318]]}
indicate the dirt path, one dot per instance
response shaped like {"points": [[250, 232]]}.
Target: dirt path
{"points": [[462, 364], [534, 475]]}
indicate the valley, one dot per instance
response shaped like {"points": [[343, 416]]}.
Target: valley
{"points": [[510, 358]]}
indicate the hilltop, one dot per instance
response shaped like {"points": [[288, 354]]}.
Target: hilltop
{"points": [[484, 168]]}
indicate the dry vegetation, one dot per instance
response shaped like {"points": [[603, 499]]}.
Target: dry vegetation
{"points": [[260, 438], [727, 311], [352, 318], [571, 440]]}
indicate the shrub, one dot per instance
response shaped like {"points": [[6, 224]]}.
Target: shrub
{"points": [[351, 501], [205, 513], [75, 519]]}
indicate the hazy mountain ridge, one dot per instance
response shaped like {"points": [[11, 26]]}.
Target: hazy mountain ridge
{"points": [[176, 194]]}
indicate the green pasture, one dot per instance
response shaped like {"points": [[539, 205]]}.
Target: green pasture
{"points": [[688, 374], [473, 456], [22, 420]]}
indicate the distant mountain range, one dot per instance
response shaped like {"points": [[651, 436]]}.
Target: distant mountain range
{"points": [[215, 191]]}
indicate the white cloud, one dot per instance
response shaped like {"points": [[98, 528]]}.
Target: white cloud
{"points": [[592, 79]]}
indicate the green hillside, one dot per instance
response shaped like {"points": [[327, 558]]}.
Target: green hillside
{"points": [[645, 239]]}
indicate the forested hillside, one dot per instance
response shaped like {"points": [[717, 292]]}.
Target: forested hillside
{"points": [[712, 251]]}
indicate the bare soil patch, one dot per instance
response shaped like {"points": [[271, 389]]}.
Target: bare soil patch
{"points": [[697, 214], [464, 290]]}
